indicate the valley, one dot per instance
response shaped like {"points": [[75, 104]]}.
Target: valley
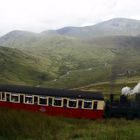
{"points": [[63, 59]]}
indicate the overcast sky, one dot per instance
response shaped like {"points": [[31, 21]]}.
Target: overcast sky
{"points": [[39, 15]]}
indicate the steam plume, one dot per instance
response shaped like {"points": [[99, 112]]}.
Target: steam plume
{"points": [[126, 91], [136, 89]]}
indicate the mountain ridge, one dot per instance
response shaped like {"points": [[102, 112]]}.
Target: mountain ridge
{"points": [[118, 26]]}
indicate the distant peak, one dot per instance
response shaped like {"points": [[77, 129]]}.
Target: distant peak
{"points": [[122, 19]]}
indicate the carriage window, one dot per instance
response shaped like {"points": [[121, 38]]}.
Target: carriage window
{"points": [[95, 105], [72, 103], [50, 101], [28, 99], [3, 96], [42, 100], [14, 98], [88, 104], [8, 97], [0, 95], [57, 102]]}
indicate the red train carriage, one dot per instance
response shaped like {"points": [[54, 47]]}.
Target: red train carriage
{"points": [[56, 102]]}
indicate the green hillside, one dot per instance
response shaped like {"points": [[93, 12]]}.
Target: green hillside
{"points": [[59, 59], [19, 39], [69, 62], [80, 62], [17, 67]]}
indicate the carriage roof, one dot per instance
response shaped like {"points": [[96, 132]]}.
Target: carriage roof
{"points": [[52, 92]]}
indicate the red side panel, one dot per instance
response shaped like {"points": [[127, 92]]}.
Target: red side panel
{"points": [[57, 111]]}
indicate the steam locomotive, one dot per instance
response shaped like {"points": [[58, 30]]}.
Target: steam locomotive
{"points": [[123, 107], [68, 103], [128, 105]]}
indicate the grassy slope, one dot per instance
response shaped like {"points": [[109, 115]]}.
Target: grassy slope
{"points": [[71, 62], [18, 39], [19, 68], [20, 125], [118, 85], [89, 61]]}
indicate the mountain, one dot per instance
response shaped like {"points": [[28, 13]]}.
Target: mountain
{"points": [[117, 26], [79, 62], [113, 27], [66, 62], [19, 38], [75, 56]]}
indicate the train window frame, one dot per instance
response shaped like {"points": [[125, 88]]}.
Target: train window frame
{"points": [[43, 97], [8, 93], [20, 98], [95, 107], [85, 101], [26, 95], [50, 98], [80, 106], [35, 96], [0, 95], [4, 96], [17, 95], [57, 98], [72, 100]]}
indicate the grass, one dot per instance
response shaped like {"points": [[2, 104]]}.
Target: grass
{"points": [[105, 87], [17, 67], [106, 55], [79, 77], [22, 125]]}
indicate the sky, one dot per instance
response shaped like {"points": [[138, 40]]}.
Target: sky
{"points": [[40, 15]]}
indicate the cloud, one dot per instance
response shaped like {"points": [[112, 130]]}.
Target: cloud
{"points": [[39, 15]]}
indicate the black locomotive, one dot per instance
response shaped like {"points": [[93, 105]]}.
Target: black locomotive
{"points": [[125, 106]]}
